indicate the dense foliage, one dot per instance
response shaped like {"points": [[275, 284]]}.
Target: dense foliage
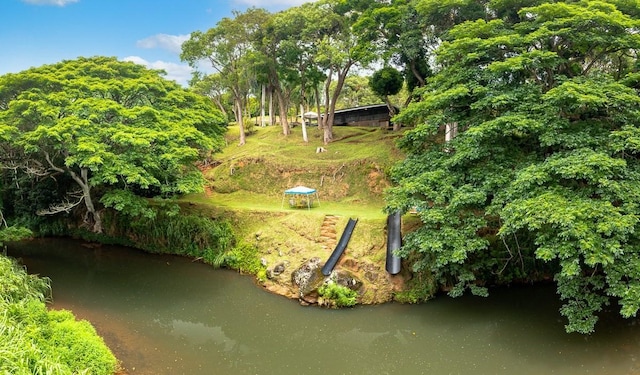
{"points": [[166, 230], [544, 174], [300, 55], [101, 127], [34, 340]]}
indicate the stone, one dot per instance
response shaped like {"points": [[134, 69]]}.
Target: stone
{"points": [[278, 269], [346, 278], [308, 277]]}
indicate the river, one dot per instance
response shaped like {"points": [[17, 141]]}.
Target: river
{"points": [[169, 315]]}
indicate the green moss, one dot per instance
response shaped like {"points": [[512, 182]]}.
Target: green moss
{"points": [[419, 289]]}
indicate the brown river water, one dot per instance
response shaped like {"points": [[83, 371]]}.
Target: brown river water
{"points": [[169, 315]]}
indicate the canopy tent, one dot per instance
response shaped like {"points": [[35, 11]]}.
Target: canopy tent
{"points": [[300, 196], [310, 115]]}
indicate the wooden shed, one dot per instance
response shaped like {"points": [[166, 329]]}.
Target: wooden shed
{"points": [[368, 115]]}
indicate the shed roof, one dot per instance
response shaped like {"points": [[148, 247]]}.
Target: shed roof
{"points": [[361, 108]]}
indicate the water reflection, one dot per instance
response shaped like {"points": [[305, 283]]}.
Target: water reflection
{"points": [[168, 315]]}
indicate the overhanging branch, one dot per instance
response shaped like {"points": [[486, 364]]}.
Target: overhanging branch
{"points": [[65, 206]]}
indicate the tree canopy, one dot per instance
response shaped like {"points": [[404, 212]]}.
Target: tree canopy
{"points": [[291, 52], [228, 48], [543, 177], [116, 129]]}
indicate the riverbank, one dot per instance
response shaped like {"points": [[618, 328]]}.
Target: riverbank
{"points": [[35, 340], [247, 184]]}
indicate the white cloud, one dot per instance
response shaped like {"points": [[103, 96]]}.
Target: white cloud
{"points": [[273, 3], [180, 73], [171, 43], [59, 3]]}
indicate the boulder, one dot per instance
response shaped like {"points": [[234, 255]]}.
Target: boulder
{"points": [[308, 277]]}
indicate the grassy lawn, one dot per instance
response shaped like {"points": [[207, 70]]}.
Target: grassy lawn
{"points": [[247, 201], [350, 176]]}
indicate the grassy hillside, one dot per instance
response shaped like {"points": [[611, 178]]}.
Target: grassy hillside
{"points": [[352, 171], [246, 184]]}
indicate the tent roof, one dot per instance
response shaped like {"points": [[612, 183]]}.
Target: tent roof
{"points": [[300, 190], [310, 115]]}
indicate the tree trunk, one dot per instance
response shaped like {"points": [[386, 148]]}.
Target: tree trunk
{"points": [[272, 117], [240, 121], [282, 106], [262, 100], [416, 73], [93, 217], [342, 76], [327, 120], [318, 107], [304, 125], [392, 112], [220, 106], [450, 131]]}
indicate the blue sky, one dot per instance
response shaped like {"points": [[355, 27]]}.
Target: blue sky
{"points": [[149, 32]]}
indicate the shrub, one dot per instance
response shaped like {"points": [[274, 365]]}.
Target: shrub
{"points": [[340, 295], [34, 340], [244, 258]]}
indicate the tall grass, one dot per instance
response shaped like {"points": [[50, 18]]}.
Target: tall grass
{"points": [[183, 234], [34, 340]]}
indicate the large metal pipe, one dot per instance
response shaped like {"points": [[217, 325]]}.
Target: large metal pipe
{"points": [[342, 245], [394, 242]]}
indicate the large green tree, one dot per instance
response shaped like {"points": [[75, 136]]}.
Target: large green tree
{"points": [[212, 86], [229, 49], [115, 129], [289, 45], [545, 172], [386, 82], [339, 49], [400, 36]]}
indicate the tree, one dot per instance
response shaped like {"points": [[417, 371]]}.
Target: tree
{"points": [[543, 176], [212, 86], [400, 36], [289, 44], [339, 50], [271, 45], [228, 47], [385, 82], [8, 233], [357, 92], [116, 129]]}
